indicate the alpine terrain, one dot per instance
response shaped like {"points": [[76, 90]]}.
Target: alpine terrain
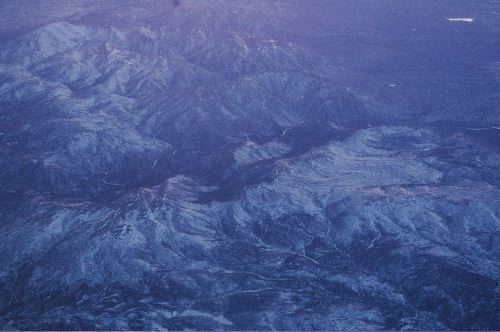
{"points": [[249, 165]]}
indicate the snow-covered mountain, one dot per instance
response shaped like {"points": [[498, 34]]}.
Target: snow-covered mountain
{"points": [[249, 165]]}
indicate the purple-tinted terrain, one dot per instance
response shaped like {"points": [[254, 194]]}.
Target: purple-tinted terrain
{"points": [[249, 165]]}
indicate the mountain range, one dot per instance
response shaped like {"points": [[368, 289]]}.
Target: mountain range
{"points": [[249, 165]]}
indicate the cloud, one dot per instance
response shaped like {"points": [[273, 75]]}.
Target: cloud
{"points": [[461, 19]]}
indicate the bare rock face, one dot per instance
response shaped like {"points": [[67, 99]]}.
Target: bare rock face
{"points": [[236, 165]]}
